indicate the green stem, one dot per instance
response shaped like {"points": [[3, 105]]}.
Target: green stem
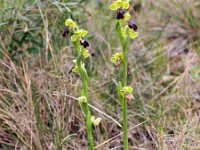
{"points": [[85, 106], [87, 111], [124, 43], [124, 103]]}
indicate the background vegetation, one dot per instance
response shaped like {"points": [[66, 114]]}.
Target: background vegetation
{"points": [[38, 94]]}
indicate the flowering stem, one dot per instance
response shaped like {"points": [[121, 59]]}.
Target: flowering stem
{"points": [[84, 78], [124, 43]]}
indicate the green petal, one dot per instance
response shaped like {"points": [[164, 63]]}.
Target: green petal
{"points": [[74, 37], [133, 34], [114, 6]]}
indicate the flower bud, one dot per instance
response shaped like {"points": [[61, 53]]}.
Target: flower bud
{"points": [[95, 121], [82, 99]]}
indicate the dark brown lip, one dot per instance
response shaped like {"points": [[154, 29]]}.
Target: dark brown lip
{"points": [[120, 13], [132, 25], [84, 43], [66, 31]]}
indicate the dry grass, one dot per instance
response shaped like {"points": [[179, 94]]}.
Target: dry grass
{"points": [[38, 107]]}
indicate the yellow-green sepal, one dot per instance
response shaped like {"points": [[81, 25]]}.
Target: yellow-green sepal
{"points": [[125, 5], [119, 3], [114, 6]]}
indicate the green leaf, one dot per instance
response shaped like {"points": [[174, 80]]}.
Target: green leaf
{"points": [[117, 26]]}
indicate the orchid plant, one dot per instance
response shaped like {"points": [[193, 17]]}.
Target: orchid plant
{"points": [[126, 29], [81, 45]]}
